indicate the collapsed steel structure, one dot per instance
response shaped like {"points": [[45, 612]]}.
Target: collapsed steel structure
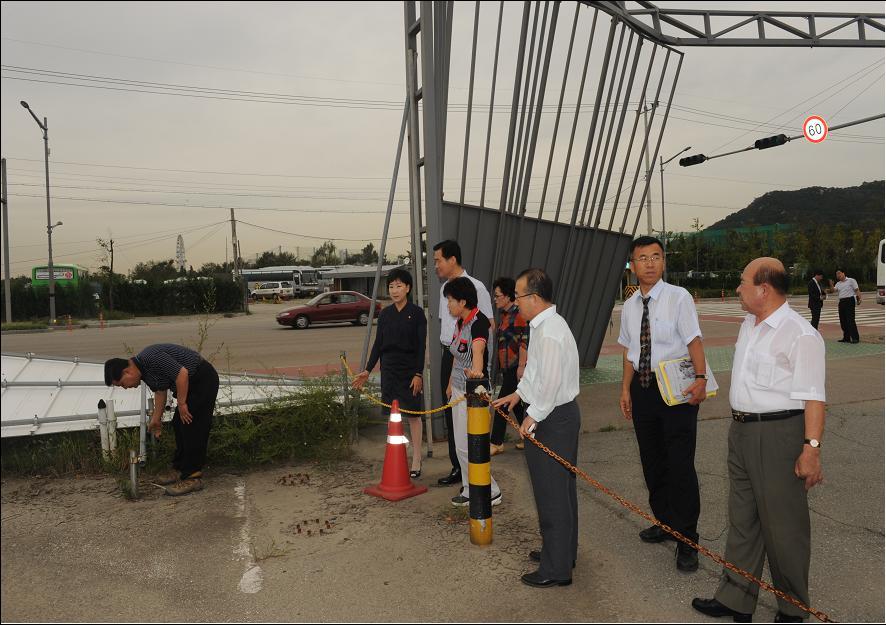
{"points": [[572, 173]]}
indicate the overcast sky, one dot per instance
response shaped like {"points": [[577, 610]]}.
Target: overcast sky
{"points": [[142, 167]]}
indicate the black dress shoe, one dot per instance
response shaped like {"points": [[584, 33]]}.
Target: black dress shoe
{"points": [[843, 341], [687, 559], [453, 477], [535, 556], [712, 607], [655, 534], [536, 580], [781, 617]]}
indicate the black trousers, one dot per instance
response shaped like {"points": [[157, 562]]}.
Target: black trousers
{"points": [[499, 425], [666, 437], [445, 372], [192, 439], [846, 308], [816, 316], [554, 488]]}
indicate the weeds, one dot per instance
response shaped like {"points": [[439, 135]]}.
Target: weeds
{"points": [[303, 426]]}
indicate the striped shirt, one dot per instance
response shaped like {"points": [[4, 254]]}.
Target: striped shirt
{"points": [[160, 364], [474, 328]]}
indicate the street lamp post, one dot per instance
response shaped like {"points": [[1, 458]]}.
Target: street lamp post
{"points": [[44, 126], [664, 232]]}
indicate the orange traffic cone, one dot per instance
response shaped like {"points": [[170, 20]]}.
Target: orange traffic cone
{"points": [[395, 483]]}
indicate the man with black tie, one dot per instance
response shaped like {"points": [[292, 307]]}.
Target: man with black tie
{"points": [[660, 323], [816, 296]]}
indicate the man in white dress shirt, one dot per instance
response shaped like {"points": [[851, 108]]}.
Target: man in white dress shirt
{"points": [[659, 323], [778, 410], [447, 263], [549, 385], [850, 297]]}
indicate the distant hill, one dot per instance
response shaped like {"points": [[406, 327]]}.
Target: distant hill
{"points": [[849, 206]]}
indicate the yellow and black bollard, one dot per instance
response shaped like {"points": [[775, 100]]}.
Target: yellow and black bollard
{"points": [[479, 475]]}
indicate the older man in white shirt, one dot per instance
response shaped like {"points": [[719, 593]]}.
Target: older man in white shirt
{"points": [[778, 409], [549, 385]]}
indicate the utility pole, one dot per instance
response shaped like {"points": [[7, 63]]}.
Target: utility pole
{"points": [[44, 126], [235, 244], [648, 173], [111, 288], [108, 247], [7, 287]]}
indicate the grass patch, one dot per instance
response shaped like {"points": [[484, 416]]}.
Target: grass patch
{"points": [[24, 325], [117, 315], [608, 428], [308, 426]]}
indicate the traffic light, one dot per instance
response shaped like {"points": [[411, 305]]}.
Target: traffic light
{"points": [[770, 142], [693, 160]]}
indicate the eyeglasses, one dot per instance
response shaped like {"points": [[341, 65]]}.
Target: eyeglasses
{"points": [[527, 295], [654, 259]]}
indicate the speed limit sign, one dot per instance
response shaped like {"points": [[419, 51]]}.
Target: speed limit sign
{"points": [[815, 129]]}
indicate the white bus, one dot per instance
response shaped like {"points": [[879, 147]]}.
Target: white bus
{"points": [[305, 280], [881, 273]]}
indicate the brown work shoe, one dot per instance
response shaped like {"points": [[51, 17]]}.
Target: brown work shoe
{"points": [[183, 487], [170, 476], [494, 449], [518, 444]]}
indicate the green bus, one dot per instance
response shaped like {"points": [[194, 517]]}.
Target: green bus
{"points": [[64, 274]]}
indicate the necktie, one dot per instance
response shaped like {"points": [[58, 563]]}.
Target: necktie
{"points": [[645, 347]]}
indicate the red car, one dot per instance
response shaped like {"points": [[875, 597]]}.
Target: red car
{"points": [[330, 307]]}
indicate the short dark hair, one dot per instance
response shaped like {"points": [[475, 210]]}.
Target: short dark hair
{"points": [[402, 275], [644, 241], [538, 282], [506, 285], [448, 249], [461, 289], [818, 272], [114, 369], [774, 276], [840, 269]]}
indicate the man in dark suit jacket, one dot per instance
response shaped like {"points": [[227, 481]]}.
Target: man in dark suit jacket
{"points": [[816, 296]]}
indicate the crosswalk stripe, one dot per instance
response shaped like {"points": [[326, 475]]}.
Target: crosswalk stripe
{"points": [[870, 315]]}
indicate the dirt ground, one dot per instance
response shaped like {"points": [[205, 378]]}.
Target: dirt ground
{"points": [[75, 549]]}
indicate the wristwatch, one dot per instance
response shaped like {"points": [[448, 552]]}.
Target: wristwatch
{"points": [[701, 376], [812, 442]]}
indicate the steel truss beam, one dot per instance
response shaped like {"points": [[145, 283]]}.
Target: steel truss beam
{"points": [[843, 30]]}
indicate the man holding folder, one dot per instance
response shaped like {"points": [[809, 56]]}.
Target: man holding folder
{"points": [[659, 323]]}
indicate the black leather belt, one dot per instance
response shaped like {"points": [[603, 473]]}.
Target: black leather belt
{"points": [[750, 417]]}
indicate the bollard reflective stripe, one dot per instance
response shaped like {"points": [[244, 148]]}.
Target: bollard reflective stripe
{"points": [[479, 474], [397, 440], [396, 417]]}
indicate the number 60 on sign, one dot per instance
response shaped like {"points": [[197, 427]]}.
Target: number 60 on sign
{"points": [[815, 129]]}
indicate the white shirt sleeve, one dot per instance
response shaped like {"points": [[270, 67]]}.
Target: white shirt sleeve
{"points": [[687, 319], [624, 339], [484, 302], [808, 357], [548, 380]]}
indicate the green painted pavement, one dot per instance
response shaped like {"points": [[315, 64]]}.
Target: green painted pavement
{"points": [[609, 368]]}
